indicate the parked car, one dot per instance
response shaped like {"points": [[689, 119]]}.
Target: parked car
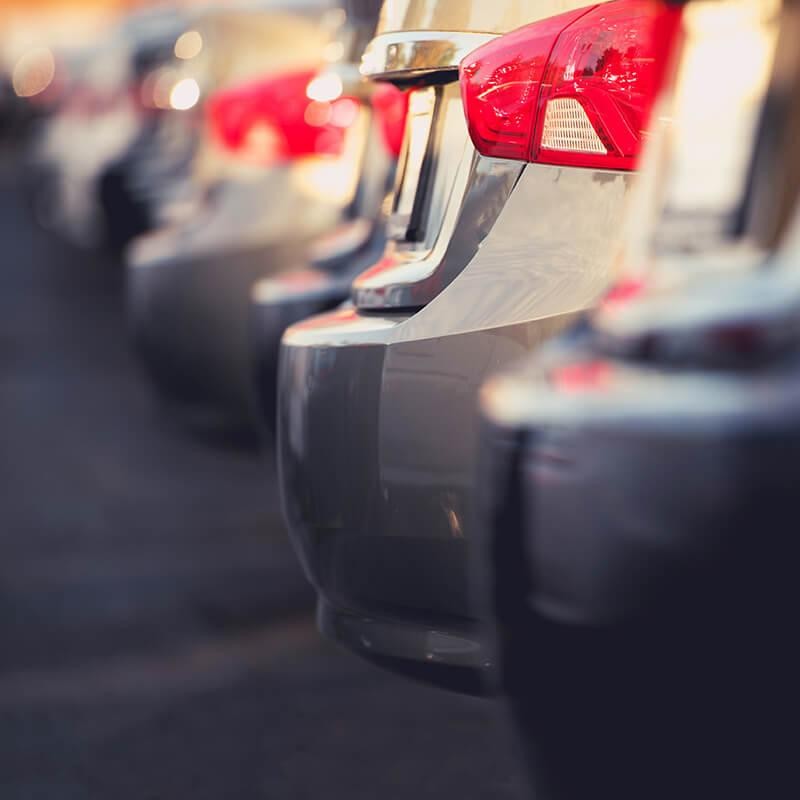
{"points": [[219, 48], [502, 229], [639, 471], [289, 157], [100, 120]]}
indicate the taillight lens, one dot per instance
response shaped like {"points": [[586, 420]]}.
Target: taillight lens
{"points": [[576, 89], [500, 84], [274, 120], [601, 83]]}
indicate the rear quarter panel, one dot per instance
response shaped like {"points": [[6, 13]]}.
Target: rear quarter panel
{"points": [[548, 257]]}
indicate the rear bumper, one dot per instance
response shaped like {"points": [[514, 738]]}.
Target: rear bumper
{"points": [[376, 454], [377, 416], [455, 659], [375, 570]]}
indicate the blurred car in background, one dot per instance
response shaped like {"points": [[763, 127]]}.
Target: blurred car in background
{"points": [[290, 161], [101, 116], [11, 108], [16, 113], [639, 472], [33, 77], [221, 47], [502, 229]]}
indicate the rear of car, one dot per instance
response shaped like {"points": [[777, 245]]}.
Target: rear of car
{"points": [[501, 230], [219, 48], [277, 170], [104, 110], [639, 473]]}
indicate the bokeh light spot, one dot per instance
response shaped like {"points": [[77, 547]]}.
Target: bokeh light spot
{"points": [[33, 72], [189, 45]]}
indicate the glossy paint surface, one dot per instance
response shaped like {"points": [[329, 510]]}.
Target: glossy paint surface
{"points": [[377, 413], [377, 403]]}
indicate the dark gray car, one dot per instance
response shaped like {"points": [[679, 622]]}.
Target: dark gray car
{"points": [[640, 473]]}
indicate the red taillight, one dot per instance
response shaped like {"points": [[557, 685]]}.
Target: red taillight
{"points": [[601, 84], [583, 376], [500, 87], [391, 110], [622, 292], [273, 120], [576, 89]]}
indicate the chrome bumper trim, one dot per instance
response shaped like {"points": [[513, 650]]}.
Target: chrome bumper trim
{"points": [[406, 53]]}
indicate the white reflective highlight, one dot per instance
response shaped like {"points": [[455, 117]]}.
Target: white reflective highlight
{"points": [[185, 94], [568, 128], [325, 88]]}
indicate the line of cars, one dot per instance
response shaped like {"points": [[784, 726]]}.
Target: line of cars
{"points": [[534, 413]]}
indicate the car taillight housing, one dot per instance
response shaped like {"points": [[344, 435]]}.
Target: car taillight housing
{"points": [[575, 90], [273, 120]]}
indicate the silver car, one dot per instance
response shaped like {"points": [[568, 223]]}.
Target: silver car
{"points": [[503, 228]]}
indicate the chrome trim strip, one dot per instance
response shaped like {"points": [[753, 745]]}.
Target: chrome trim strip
{"points": [[402, 53], [481, 190]]}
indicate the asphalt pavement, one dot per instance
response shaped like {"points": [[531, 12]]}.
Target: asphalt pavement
{"points": [[156, 633]]}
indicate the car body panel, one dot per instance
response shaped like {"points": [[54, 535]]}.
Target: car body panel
{"points": [[549, 251], [469, 15], [377, 421], [418, 38]]}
